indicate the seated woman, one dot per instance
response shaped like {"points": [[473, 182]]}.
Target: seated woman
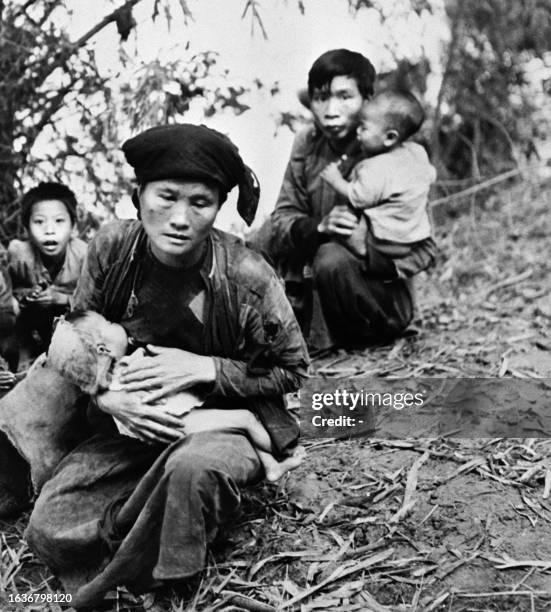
{"points": [[118, 510]]}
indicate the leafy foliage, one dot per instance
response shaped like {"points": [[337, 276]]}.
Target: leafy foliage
{"points": [[488, 114], [52, 94], [60, 118], [41, 69], [485, 117], [155, 93]]}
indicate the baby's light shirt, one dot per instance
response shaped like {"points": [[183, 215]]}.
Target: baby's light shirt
{"points": [[392, 189], [177, 404]]}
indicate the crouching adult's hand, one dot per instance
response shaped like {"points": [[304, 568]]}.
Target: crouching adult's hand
{"points": [[339, 221], [165, 371]]}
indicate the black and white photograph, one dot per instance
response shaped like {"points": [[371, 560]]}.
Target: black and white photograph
{"points": [[275, 305]]}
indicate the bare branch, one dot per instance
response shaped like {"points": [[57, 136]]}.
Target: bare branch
{"points": [[253, 5], [501, 129], [48, 10], [27, 5], [73, 47], [103, 23], [49, 112], [22, 10]]}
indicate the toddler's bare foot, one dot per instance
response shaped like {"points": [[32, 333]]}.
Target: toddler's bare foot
{"points": [[278, 468]]}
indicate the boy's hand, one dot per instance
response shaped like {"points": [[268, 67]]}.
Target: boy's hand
{"points": [[48, 297], [331, 174], [7, 380]]}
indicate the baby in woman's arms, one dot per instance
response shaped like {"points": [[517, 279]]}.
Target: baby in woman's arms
{"points": [[101, 347]]}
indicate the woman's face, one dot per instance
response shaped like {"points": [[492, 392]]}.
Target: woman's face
{"points": [[177, 216], [336, 108]]}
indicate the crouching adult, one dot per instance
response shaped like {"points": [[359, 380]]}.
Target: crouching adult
{"points": [[211, 314], [311, 221]]}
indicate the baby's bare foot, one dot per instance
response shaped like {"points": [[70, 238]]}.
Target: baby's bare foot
{"points": [[275, 471]]}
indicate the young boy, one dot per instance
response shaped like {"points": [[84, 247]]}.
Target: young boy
{"points": [[45, 268], [79, 332], [389, 189]]}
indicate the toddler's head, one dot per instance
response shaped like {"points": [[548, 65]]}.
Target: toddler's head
{"points": [[85, 347], [48, 211], [388, 119]]}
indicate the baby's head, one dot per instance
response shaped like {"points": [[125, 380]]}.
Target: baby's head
{"points": [[48, 212], [84, 348], [388, 119], [107, 336]]}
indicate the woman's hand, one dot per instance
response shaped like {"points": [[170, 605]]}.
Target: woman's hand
{"points": [[148, 423], [338, 221], [166, 371]]}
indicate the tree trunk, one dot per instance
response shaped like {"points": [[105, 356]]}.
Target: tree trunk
{"points": [[455, 14]]}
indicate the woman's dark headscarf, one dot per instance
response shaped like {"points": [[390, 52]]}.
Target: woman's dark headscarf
{"points": [[186, 151]]}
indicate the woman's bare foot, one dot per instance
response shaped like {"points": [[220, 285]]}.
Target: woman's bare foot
{"points": [[276, 469]]}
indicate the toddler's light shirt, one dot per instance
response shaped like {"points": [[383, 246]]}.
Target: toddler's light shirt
{"points": [[392, 189]]}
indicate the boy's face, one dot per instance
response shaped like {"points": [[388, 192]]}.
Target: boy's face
{"points": [[374, 134], [50, 227], [336, 107]]}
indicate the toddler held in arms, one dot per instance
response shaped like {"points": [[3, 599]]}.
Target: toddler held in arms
{"points": [[388, 190], [110, 343]]}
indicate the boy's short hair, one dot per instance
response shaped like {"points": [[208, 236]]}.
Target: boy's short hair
{"points": [[403, 111], [342, 62], [48, 191]]}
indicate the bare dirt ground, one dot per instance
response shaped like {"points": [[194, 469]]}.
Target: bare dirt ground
{"points": [[428, 524]]}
